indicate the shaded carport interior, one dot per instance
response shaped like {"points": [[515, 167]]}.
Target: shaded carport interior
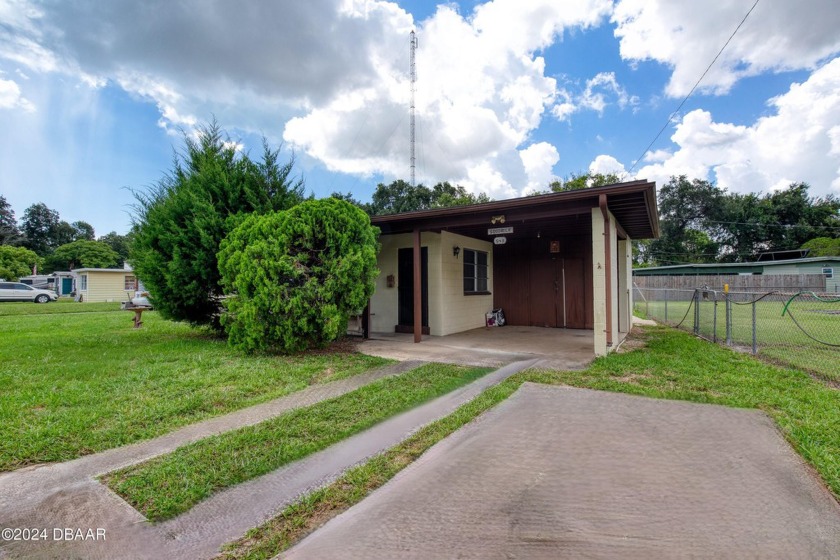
{"points": [[543, 273]]}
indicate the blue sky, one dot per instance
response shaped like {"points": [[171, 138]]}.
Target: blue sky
{"points": [[510, 94]]}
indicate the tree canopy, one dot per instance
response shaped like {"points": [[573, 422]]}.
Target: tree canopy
{"points": [[16, 262], [82, 254], [400, 196], [823, 247], [180, 222], [295, 276], [577, 181], [9, 232], [700, 223]]}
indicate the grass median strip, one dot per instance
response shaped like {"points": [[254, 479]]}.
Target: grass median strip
{"points": [[169, 485], [79, 383], [673, 365]]}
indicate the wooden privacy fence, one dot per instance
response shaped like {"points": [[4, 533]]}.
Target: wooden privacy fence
{"points": [[737, 283]]}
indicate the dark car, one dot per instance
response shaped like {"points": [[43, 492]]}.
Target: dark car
{"points": [[16, 291]]}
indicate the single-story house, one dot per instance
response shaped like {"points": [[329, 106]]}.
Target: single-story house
{"points": [[60, 282], [559, 260], [105, 284], [828, 267]]}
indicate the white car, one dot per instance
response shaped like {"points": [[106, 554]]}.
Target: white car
{"points": [[16, 291]]}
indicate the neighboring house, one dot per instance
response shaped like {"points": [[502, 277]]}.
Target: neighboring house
{"points": [[825, 267], [59, 282], [105, 284], [557, 260]]}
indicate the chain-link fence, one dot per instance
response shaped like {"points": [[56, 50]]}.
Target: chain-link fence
{"points": [[801, 329]]}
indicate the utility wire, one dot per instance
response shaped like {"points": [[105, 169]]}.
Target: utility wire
{"points": [[677, 110]]}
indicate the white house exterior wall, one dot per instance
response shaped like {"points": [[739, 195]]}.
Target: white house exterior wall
{"points": [[459, 312], [450, 311], [104, 286], [599, 280]]}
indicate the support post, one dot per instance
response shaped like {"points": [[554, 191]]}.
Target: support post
{"points": [[697, 311], [418, 290], [754, 337], [602, 203], [728, 321]]}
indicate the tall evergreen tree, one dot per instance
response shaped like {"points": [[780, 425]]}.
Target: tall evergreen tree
{"points": [[9, 232], [181, 221]]}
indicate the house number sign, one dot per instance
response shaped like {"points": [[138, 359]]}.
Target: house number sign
{"points": [[499, 240], [499, 230]]}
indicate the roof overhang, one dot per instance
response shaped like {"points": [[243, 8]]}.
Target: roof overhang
{"points": [[633, 204]]}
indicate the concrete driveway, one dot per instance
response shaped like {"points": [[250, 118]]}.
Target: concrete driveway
{"points": [[564, 349], [556, 472]]}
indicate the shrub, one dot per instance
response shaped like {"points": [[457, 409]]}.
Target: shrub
{"points": [[296, 276]]}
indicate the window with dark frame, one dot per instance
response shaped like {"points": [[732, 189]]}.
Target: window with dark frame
{"points": [[130, 283], [475, 272], [828, 272]]}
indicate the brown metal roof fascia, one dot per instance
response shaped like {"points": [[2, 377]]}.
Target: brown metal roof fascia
{"points": [[531, 207], [524, 202], [512, 216], [653, 211]]}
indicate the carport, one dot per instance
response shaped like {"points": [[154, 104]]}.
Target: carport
{"points": [[560, 260], [563, 349]]}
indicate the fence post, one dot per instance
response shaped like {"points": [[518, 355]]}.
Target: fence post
{"points": [[697, 311], [755, 342], [666, 306], [728, 321], [714, 321]]}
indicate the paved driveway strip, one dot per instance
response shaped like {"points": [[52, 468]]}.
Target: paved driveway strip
{"points": [[557, 472], [66, 495]]}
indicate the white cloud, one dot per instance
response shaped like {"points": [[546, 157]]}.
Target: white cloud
{"points": [[799, 142], [607, 165], [599, 91], [481, 91], [11, 98], [335, 71], [777, 36], [539, 160]]}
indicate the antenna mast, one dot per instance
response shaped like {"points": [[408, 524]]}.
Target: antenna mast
{"points": [[412, 48]]}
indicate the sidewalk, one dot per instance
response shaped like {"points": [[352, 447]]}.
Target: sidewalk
{"points": [[67, 496]]}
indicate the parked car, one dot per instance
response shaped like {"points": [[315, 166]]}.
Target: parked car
{"points": [[16, 291]]}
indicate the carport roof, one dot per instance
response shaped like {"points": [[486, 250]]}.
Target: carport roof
{"points": [[633, 204]]}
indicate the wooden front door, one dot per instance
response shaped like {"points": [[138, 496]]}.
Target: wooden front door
{"points": [[574, 293], [546, 289], [405, 289]]}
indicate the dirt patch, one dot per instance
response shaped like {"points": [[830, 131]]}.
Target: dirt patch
{"points": [[636, 339], [631, 378], [344, 345]]}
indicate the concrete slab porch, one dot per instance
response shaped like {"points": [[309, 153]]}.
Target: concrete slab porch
{"points": [[494, 346]]}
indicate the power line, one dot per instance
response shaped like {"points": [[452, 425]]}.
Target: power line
{"points": [[677, 110]]}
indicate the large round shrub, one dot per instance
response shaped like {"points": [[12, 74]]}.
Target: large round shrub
{"points": [[294, 277]]}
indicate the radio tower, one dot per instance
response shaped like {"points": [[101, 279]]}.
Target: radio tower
{"points": [[412, 48]]}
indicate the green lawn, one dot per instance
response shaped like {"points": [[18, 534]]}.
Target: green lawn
{"points": [[77, 383], [673, 365], [166, 486], [8, 308], [778, 336]]}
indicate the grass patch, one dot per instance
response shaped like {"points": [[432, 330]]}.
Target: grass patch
{"points": [[778, 337], [79, 383], [673, 365], [169, 485], [10, 308]]}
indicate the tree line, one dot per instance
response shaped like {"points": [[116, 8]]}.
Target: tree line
{"points": [[701, 223], [44, 242]]}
